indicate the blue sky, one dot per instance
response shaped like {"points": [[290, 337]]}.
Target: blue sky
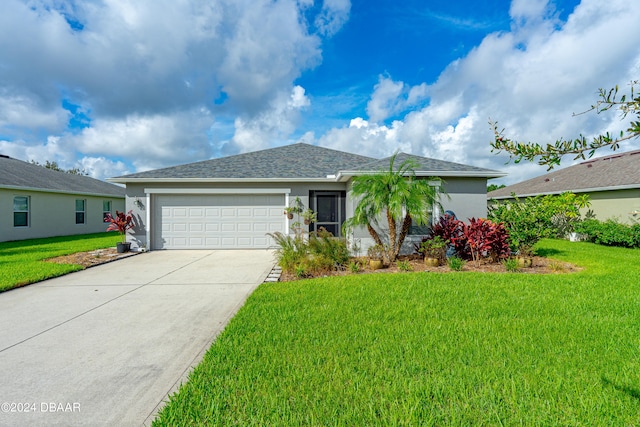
{"points": [[116, 88]]}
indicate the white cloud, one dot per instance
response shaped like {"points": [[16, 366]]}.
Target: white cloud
{"points": [[101, 167], [530, 79], [150, 141], [333, 16], [270, 127], [139, 67], [390, 98], [24, 112]]}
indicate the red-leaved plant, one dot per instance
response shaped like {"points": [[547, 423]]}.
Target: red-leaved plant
{"points": [[451, 230], [121, 223], [486, 239]]}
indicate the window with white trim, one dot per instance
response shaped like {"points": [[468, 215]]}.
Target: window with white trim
{"points": [[21, 211], [81, 210], [106, 208]]}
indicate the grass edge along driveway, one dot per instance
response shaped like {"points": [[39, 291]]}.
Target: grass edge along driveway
{"points": [[430, 349], [22, 262]]}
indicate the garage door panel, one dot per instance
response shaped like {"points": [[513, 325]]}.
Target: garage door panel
{"points": [[212, 227], [196, 212], [178, 212], [228, 213], [216, 221]]}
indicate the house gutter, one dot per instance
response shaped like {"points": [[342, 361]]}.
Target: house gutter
{"points": [[345, 175], [70, 192], [581, 190], [329, 178]]}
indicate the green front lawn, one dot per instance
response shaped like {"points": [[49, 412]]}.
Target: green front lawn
{"points": [[430, 349], [21, 262]]}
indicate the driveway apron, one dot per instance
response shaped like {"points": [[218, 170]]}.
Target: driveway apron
{"points": [[107, 345]]}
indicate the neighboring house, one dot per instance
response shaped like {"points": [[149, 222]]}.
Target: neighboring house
{"points": [[38, 202], [612, 183], [233, 202]]}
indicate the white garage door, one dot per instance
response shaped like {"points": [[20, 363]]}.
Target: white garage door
{"points": [[220, 221]]}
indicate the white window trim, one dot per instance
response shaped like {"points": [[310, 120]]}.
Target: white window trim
{"points": [[84, 211], [28, 212], [110, 207]]}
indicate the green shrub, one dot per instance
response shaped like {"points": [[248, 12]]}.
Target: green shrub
{"points": [[532, 218], [455, 263], [354, 267], [291, 251], [610, 233], [322, 252], [511, 265], [332, 250], [404, 266]]}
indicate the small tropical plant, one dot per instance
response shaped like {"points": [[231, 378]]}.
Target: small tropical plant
{"points": [[511, 265], [328, 252], [486, 239], [309, 216], [354, 267], [451, 230], [433, 247], [456, 263], [290, 252], [395, 194], [404, 265], [121, 223], [376, 252]]}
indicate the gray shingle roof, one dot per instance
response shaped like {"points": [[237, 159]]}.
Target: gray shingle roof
{"points": [[296, 161], [16, 173], [619, 170], [427, 166]]}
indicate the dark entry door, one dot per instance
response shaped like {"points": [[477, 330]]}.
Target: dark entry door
{"points": [[330, 209]]}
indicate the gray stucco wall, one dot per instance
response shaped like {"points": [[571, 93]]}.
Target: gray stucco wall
{"points": [[142, 204], [53, 214], [466, 197]]}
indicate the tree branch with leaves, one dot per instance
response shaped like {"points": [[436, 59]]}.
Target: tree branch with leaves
{"points": [[550, 155]]}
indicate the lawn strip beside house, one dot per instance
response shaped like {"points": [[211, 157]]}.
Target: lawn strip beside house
{"points": [[430, 349], [22, 262]]}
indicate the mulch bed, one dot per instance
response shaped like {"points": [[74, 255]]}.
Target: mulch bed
{"points": [[540, 266], [91, 258]]}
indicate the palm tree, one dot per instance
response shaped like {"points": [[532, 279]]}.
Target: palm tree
{"points": [[397, 194]]}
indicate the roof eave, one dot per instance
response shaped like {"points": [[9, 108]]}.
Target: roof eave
{"points": [[48, 190], [220, 180], [579, 190], [345, 175]]}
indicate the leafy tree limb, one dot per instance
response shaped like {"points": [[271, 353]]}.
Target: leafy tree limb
{"points": [[551, 154]]}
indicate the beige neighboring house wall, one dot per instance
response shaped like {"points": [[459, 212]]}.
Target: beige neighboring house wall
{"points": [[622, 205], [612, 183], [53, 214], [51, 201]]}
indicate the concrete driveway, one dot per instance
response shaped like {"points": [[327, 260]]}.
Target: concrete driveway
{"points": [[107, 345]]}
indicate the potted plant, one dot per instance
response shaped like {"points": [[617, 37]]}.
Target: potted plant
{"points": [[121, 223], [309, 216], [433, 251], [524, 256], [297, 208], [376, 256], [289, 211]]}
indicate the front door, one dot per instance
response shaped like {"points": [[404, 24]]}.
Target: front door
{"points": [[330, 209]]}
